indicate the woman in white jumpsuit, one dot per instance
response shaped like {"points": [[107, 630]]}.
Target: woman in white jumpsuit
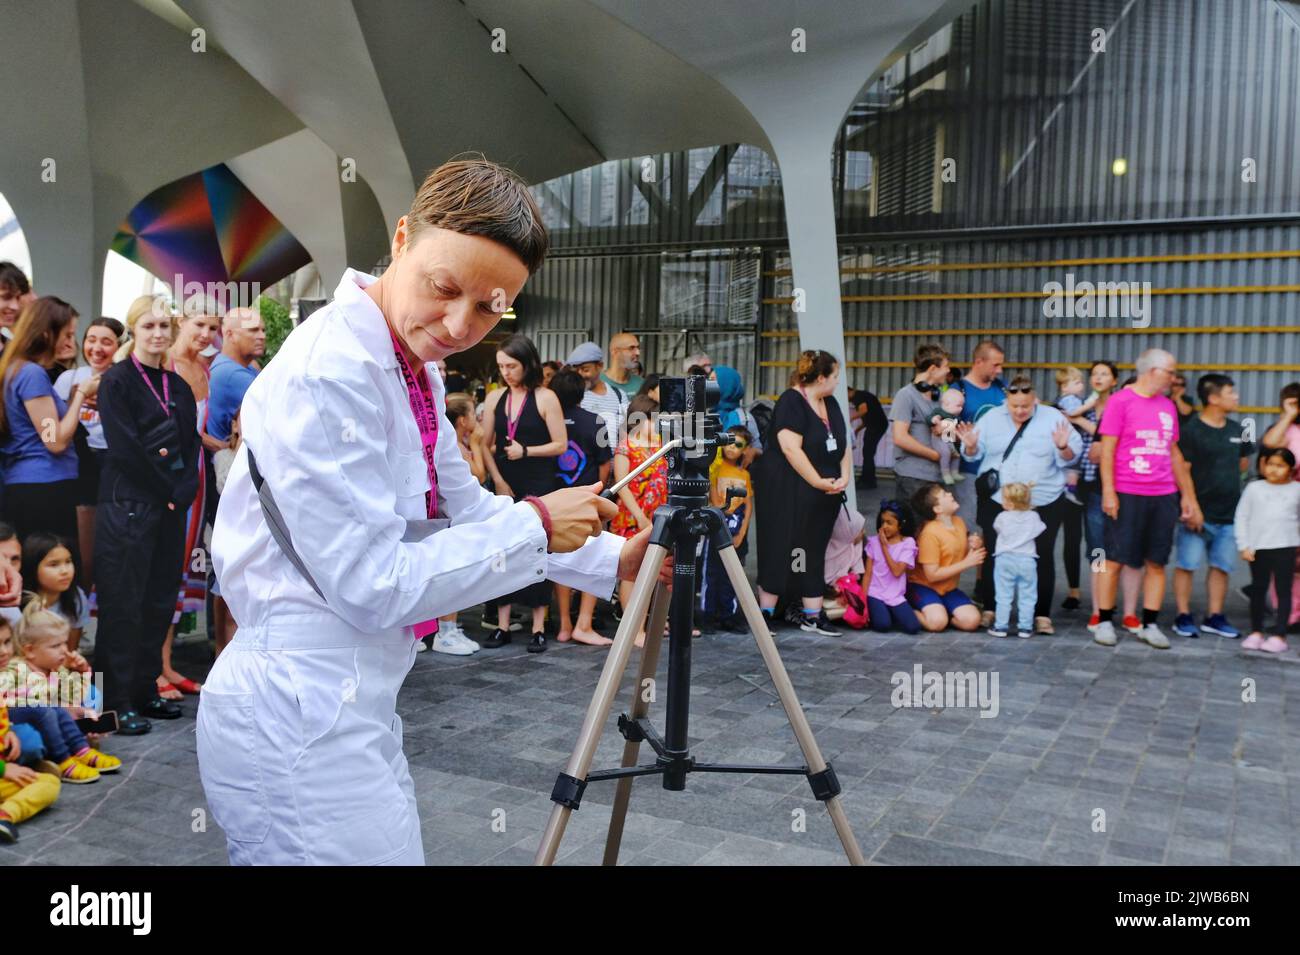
{"points": [[299, 742]]}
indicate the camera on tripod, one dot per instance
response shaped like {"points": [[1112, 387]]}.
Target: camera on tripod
{"points": [[688, 422]]}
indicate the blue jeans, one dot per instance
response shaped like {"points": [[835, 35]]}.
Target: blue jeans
{"points": [[29, 737], [1012, 573], [1094, 522], [58, 730], [885, 618]]}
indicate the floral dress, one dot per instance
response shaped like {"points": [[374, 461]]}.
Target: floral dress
{"points": [[650, 488]]}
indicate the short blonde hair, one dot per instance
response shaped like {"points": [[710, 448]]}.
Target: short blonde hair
{"points": [[1066, 375], [36, 624], [1016, 496]]}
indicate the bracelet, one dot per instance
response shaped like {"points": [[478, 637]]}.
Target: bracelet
{"points": [[544, 514], [525, 447]]}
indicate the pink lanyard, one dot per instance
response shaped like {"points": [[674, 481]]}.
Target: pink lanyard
{"points": [[165, 398], [826, 421], [513, 425], [420, 395]]}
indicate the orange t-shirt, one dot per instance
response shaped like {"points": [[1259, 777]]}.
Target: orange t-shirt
{"points": [[938, 544]]}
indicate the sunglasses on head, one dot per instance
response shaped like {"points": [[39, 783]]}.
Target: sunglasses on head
{"points": [[1019, 389]]}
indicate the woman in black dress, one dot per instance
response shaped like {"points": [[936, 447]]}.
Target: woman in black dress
{"points": [[525, 423], [801, 489]]}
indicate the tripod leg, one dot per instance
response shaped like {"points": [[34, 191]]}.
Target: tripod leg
{"points": [[654, 638], [793, 711], [598, 711]]}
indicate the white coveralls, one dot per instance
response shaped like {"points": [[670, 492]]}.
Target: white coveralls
{"points": [[299, 742]]}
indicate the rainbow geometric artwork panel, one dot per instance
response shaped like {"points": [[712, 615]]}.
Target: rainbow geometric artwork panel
{"points": [[207, 227]]}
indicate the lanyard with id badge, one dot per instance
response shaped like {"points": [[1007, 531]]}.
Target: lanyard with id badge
{"points": [[831, 444]]}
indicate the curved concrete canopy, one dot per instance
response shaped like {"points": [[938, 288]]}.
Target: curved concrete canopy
{"points": [[399, 85]]}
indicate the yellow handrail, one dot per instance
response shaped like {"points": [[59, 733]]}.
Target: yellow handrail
{"points": [[1057, 263]]}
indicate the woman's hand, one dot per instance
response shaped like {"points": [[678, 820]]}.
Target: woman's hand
{"points": [[975, 557], [89, 388], [577, 513], [632, 556], [1094, 452], [514, 451], [1061, 435], [838, 484], [1248, 555]]}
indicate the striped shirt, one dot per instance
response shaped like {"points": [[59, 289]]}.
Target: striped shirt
{"points": [[612, 408]]}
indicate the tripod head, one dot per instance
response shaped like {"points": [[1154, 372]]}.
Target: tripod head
{"points": [[686, 414]]}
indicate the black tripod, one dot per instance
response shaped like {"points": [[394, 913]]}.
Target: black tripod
{"points": [[678, 528]]}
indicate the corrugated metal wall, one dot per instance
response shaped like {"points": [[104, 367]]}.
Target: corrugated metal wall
{"points": [[1236, 314], [1035, 118]]}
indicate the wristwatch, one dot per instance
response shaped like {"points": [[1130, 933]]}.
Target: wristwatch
{"points": [[525, 447]]}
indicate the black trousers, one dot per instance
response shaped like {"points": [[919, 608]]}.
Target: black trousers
{"points": [[139, 557], [1277, 564], [1072, 528], [45, 507], [1053, 516]]}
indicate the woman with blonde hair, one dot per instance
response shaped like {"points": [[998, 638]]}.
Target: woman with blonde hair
{"points": [[150, 478], [37, 457], [195, 331]]}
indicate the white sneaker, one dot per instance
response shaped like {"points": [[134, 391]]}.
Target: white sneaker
{"points": [[1151, 635], [421, 646], [467, 642], [447, 643], [1104, 634]]}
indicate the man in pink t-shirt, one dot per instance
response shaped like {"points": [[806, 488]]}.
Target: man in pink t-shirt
{"points": [[1146, 489]]}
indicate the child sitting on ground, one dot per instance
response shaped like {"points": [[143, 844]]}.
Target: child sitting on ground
{"points": [[48, 569], [889, 555], [23, 791], [1015, 561], [718, 604], [41, 645], [943, 434]]}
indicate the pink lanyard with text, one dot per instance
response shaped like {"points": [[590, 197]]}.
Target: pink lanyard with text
{"points": [[512, 425], [420, 396], [165, 398]]}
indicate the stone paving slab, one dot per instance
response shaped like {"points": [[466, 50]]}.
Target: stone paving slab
{"points": [[1096, 756]]}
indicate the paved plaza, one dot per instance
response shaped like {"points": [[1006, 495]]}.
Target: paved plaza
{"points": [[1094, 756]]}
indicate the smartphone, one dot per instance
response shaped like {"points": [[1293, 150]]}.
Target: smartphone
{"points": [[105, 723]]}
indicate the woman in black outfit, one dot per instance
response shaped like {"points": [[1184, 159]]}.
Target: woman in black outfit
{"points": [[525, 423], [149, 479], [802, 489]]}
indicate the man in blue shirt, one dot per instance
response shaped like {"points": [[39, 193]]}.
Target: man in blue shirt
{"points": [[243, 339], [984, 390]]}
